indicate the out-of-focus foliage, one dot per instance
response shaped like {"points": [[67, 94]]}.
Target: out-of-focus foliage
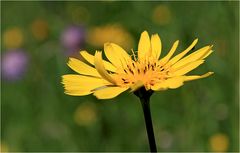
{"points": [[38, 37]]}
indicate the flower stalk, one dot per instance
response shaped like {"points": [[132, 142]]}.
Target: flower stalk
{"points": [[144, 97]]}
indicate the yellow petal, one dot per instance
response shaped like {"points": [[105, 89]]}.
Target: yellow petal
{"points": [[109, 92], [206, 55], [178, 81], [98, 62], [144, 46], [195, 77], [197, 55], [180, 55], [187, 68], [82, 68], [156, 46], [170, 53], [77, 92], [83, 82], [116, 55], [80, 85], [90, 58], [171, 83]]}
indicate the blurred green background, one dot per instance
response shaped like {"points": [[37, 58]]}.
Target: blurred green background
{"points": [[38, 37]]}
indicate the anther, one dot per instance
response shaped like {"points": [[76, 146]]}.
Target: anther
{"points": [[131, 71], [133, 64], [152, 67], [145, 69]]}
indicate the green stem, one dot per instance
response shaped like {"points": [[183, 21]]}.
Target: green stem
{"points": [[145, 100]]}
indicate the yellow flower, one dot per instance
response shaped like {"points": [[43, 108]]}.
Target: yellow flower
{"points": [[108, 79]]}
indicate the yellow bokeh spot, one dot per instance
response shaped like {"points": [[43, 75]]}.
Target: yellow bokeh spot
{"points": [[13, 38], [39, 29], [161, 15], [219, 142], [110, 33], [85, 114], [4, 147]]}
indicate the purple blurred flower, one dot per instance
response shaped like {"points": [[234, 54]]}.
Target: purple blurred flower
{"points": [[14, 64], [73, 37]]}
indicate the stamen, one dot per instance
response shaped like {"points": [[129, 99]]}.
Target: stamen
{"points": [[145, 69], [148, 70], [152, 67], [131, 71], [134, 56], [133, 64]]}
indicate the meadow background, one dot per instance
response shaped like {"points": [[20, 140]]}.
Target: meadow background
{"points": [[38, 37]]}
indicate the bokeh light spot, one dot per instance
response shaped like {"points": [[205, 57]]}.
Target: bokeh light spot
{"points": [[85, 114], [115, 33], [13, 38], [161, 15], [14, 64], [4, 147], [40, 29], [219, 142]]}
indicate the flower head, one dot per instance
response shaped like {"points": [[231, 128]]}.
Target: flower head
{"points": [[107, 79]]}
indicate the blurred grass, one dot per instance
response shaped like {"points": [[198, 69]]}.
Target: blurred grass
{"points": [[37, 116]]}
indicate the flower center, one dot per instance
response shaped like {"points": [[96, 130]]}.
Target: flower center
{"points": [[148, 71]]}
